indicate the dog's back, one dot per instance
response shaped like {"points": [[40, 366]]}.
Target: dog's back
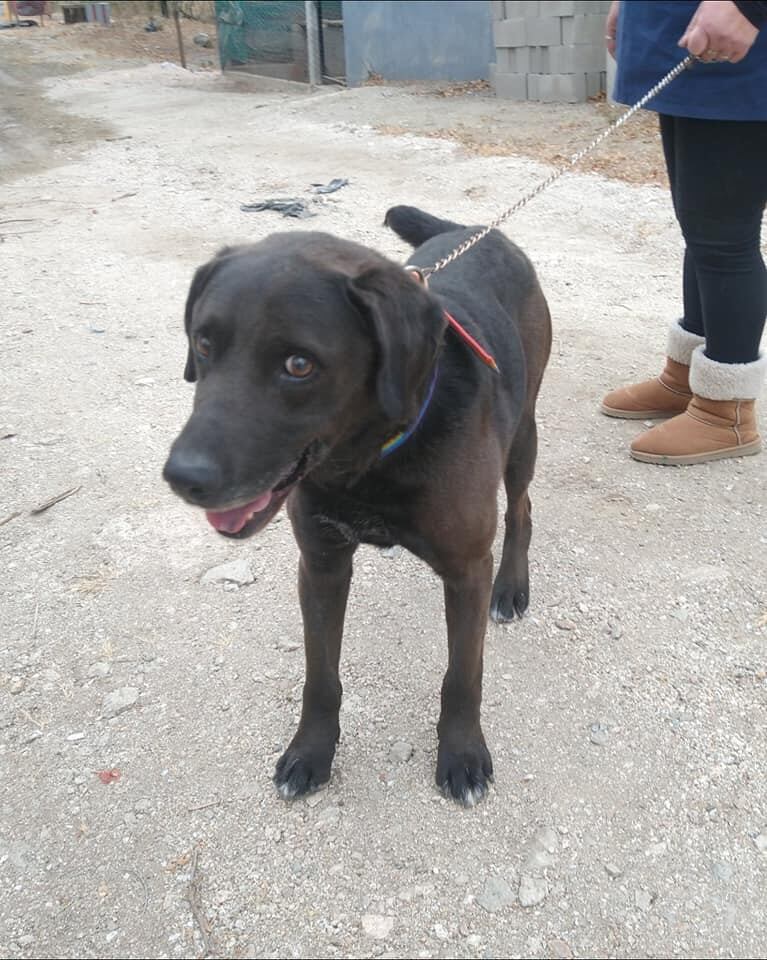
{"points": [[495, 266]]}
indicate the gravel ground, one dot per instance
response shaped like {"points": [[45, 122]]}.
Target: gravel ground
{"points": [[146, 694]]}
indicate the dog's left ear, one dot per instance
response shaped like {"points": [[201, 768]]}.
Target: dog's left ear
{"points": [[408, 324]]}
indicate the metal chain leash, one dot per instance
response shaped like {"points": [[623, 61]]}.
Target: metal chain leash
{"points": [[575, 159]]}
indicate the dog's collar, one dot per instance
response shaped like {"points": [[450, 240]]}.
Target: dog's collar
{"points": [[399, 438], [420, 277]]}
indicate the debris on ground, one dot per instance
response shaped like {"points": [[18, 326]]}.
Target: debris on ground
{"points": [[331, 187], [287, 206]]}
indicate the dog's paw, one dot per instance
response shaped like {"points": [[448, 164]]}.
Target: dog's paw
{"points": [[297, 775], [465, 775], [508, 602]]}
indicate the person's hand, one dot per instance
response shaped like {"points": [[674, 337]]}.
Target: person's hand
{"points": [[718, 31], [611, 26]]}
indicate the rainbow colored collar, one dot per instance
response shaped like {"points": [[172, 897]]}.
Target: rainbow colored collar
{"points": [[399, 438]]}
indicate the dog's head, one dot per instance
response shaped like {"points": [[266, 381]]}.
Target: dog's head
{"points": [[303, 347]]}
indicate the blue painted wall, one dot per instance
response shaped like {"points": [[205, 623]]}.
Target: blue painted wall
{"points": [[418, 39]]}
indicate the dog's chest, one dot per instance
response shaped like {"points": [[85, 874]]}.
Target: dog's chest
{"points": [[355, 527], [361, 519]]}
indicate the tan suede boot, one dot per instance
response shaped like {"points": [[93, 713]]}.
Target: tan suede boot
{"points": [[714, 426], [664, 396]]}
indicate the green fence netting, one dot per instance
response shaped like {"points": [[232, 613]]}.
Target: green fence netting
{"points": [[269, 36]]}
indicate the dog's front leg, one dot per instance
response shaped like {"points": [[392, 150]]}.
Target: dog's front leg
{"points": [[323, 583], [464, 766]]}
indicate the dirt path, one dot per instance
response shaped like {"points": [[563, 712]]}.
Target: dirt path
{"points": [[143, 709]]}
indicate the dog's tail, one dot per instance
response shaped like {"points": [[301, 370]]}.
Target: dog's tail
{"points": [[416, 227]]}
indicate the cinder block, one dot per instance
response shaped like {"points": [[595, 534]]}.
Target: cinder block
{"points": [[515, 60], [498, 9], [543, 31], [596, 83], [520, 59], [536, 59], [564, 8], [522, 8], [504, 57], [575, 58], [557, 87], [510, 86], [510, 33], [588, 28]]}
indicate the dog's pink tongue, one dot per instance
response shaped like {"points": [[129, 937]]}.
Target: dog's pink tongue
{"points": [[232, 521]]}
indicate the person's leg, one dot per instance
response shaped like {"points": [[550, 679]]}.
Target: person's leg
{"points": [[692, 321], [720, 192], [669, 393], [720, 172]]}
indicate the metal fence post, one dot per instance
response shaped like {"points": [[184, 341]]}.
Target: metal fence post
{"points": [[313, 43]]}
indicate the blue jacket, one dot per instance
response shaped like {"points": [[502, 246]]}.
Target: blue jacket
{"points": [[648, 32]]}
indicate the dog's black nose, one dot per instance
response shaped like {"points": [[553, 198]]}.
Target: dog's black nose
{"points": [[193, 475]]}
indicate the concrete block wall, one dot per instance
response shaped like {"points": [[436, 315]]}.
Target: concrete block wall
{"points": [[549, 50]]}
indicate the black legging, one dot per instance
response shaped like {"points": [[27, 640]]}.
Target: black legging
{"points": [[718, 175]]}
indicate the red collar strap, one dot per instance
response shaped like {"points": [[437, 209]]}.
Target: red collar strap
{"points": [[461, 331]]}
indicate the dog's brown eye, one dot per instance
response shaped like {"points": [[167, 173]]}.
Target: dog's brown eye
{"points": [[298, 367], [202, 346]]}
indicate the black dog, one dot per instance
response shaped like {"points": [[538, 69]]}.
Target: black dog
{"points": [[330, 378]]}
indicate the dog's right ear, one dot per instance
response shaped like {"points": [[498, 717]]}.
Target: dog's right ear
{"points": [[199, 282]]}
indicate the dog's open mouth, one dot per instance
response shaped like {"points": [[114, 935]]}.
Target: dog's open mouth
{"points": [[248, 519]]}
